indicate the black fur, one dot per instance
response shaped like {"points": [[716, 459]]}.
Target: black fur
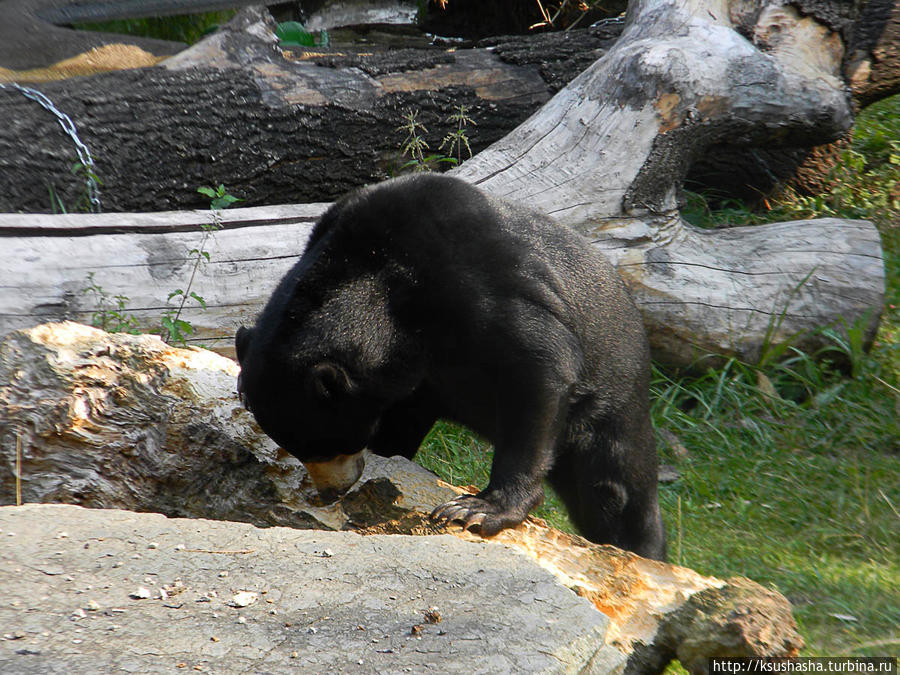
{"points": [[423, 298]]}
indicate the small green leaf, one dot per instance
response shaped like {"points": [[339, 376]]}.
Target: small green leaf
{"points": [[199, 299]]}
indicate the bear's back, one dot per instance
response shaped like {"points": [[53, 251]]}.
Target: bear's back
{"points": [[466, 252]]}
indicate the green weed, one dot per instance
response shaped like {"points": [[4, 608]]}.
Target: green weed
{"points": [[414, 144], [189, 28], [458, 138], [92, 182], [175, 329], [110, 313]]}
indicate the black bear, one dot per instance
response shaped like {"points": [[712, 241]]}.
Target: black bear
{"points": [[424, 298]]}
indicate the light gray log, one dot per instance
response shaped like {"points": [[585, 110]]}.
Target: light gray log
{"points": [[680, 282], [747, 291], [608, 154], [144, 257]]}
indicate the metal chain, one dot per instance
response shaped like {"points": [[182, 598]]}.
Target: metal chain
{"points": [[84, 154]]}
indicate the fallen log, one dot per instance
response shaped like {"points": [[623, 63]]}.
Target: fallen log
{"points": [[735, 291], [237, 77], [606, 155], [121, 421], [276, 127], [130, 263], [609, 153]]}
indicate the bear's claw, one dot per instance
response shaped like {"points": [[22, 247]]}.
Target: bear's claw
{"points": [[474, 512]]}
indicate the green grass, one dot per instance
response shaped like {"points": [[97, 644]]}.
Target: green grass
{"points": [[792, 473], [189, 28], [461, 458]]}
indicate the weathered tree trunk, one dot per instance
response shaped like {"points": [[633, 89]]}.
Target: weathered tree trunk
{"points": [[871, 66], [123, 421], [275, 130], [874, 53], [607, 155], [143, 258]]}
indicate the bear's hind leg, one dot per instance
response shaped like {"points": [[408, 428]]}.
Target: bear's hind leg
{"points": [[610, 492]]}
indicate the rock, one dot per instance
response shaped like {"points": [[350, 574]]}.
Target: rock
{"points": [[500, 612], [243, 599], [127, 422], [140, 594]]}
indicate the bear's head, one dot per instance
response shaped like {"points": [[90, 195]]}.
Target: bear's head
{"points": [[314, 410]]}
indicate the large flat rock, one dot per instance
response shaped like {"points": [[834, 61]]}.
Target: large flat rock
{"points": [[328, 602]]}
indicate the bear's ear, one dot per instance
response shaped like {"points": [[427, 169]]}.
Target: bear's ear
{"points": [[330, 381], [242, 341]]}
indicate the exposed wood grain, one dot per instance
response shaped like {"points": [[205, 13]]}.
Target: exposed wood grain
{"points": [[45, 275]]}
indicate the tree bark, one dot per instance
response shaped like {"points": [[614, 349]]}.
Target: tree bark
{"points": [[874, 55], [606, 155], [275, 130]]}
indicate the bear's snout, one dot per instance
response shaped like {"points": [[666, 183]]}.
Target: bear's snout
{"points": [[334, 477]]}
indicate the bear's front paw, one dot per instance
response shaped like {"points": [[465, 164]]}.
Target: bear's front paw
{"points": [[475, 512]]}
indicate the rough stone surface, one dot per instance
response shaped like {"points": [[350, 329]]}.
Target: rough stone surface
{"points": [[324, 602]]}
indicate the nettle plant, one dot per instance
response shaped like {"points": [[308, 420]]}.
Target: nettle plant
{"points": [[458, 138], [414, 144], [110, 312]]}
